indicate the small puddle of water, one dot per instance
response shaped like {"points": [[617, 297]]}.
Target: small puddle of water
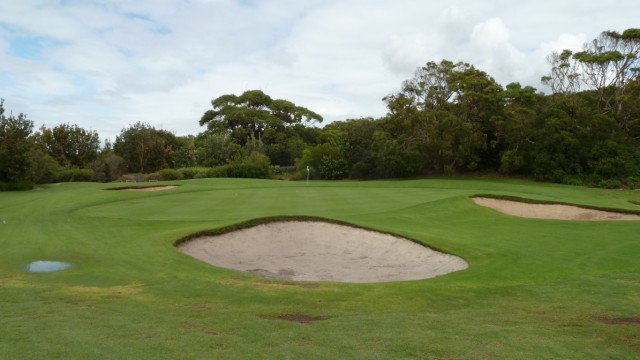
{"points": [[47, 266]]}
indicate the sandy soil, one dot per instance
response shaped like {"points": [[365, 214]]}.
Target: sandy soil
{"points": [[150, 188], [318, 251], [546, 211]]}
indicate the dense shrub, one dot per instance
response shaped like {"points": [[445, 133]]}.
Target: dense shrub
{"points": [[133, 177], [282, 172], [108, 167], [609, 184], [214, 172], [152, 177], [18, 185], [170, 174], [191, 172], [633, 182], [255, 165], [244, 170], [74, 175], [43, 167]]}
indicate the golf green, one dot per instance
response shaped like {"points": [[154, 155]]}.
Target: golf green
{"points": [[534, 288]]}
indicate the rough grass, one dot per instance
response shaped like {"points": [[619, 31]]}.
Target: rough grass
{"points": [[535, 289]]}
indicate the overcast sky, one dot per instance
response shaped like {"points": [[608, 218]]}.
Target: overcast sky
{"points": [[104, 65]]}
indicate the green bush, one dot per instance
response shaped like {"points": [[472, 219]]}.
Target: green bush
{"points": [[218, 171], [573, 180], [361, 170], [202, 174], [108, 167], [246, 170], [633, 182], [16, 186], [43, 167], [170, 174], [282, 172], [609, 184], [191, 172], [214, 172], [74, 175]]}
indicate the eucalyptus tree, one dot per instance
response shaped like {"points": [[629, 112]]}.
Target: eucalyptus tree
{"points": [[448, 110], [256, 120], [607, 64], [252, 113]]}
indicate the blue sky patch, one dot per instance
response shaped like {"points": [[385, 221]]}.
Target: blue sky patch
{"points": [[31, 47], [157, 28]]}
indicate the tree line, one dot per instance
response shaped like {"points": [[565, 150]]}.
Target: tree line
{"points": [[449, 118]]}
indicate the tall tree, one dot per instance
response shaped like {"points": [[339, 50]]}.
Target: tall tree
{"points": [[355, 139], [215, 149], [607, 65], [253, 112], [69, 145], [518, 129], [448, 112], [15, 149], [144, 148]]}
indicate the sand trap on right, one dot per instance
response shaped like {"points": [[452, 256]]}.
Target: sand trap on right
{"points": [[551, 211], [321, 251]]}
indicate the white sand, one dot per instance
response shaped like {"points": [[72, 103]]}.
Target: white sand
{"points": [[553, 211], [318, 251]]}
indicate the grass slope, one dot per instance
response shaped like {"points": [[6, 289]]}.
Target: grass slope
{"points": [[535, 289]]}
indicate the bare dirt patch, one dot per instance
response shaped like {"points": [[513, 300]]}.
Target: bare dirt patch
{"points": [[145, 188], [321, 251], [551, 211]]}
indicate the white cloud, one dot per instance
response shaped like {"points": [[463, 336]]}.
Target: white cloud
{"points": [[115, 62], [493, 52]]}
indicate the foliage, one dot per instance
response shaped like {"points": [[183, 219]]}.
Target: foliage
{"points": [[185, 152], [283, 172], [15, 150], [255, 118], [75, 175], [170, 174], [448, 118], [191, 172], [144, 148], [326, 161], [108, 167], [69, 145], [251, 114], [44, 168], [216, 149], [447, 110], [254, 165], [607, 64]]}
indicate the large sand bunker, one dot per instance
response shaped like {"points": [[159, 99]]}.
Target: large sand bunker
{"points": [[551, 211], [320, 251]]}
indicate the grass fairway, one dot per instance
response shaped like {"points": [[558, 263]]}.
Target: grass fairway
{"points": [[535, 289]]}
